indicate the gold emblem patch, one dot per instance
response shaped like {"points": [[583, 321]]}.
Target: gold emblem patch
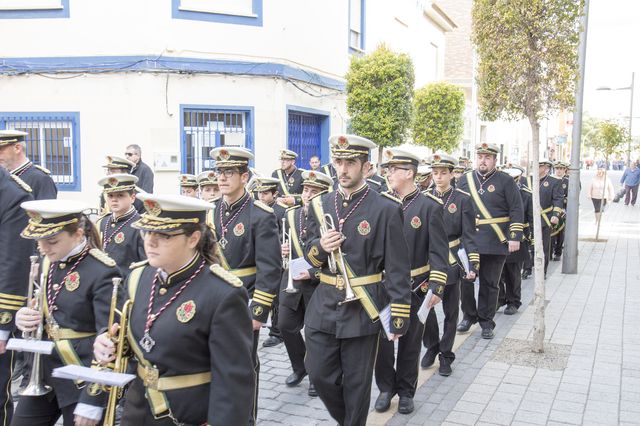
{"points": [[343, 143], [186, 311], [513, 235], [113, 182], [364, 228], [5, 317], [416, 222], [152, 207], [398, 322], [491, 188], [223, 155], [119, 238], [72, 282], [312, 176], [452, 208], [35, 217], [257, 310], [238, 230], [94, 389]]}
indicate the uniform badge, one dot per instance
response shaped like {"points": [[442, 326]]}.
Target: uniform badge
{"points": [[113, 182], [5, 317], [452, 208], [398, 322], [291, 181], [224, 155], [152, 207], [343, 143], [94, 389], [119, 238], [186, 311], [72, 281], [257, 310], [491, 188], [34, 216], [238, 230], [416, 222], [564, 186], [513, 235], [545, 183], [364, 228]]}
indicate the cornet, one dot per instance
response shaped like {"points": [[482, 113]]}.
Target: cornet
{"points": [[36, 298], [286, 260], [336, 259]]}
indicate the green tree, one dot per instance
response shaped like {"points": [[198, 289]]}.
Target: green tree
{"points": [[379, 95], [438, 120], [527, 68]]}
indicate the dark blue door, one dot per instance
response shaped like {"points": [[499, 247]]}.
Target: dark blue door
{"points": [[304, 136]]}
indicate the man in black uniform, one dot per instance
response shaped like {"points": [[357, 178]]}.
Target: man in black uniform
{"points": [[247, 235], [13, 157], [120, 240], [557, 236], [341, 323], [116, 165], [208, 186], [459, 225], [458, 171], [424, 177], [424, 232], [511, 280], [188, 185], [289, 177], [499, 215], [297, 291], [14, 275], [551, 205], [375, 181]]}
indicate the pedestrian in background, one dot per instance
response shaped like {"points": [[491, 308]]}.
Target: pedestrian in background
{"points": [[600, 191], [631, 180]]}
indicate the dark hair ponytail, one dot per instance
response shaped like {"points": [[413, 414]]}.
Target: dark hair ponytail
{"points": [[90, 231], [207, 245]]}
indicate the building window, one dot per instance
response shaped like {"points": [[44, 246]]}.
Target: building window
{"points": [[204, 128], [28, 9], [53, 142], [356, 25], [240, 12]]}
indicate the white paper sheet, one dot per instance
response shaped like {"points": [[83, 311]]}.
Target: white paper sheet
{"points": [[385, 320], [92, 375], [298, 266], [423, 311], [462, 254], [44, 347]]}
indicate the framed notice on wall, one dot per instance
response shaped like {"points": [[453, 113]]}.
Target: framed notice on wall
{"points": [[166, 161]]}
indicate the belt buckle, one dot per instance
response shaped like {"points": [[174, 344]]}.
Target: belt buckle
{"points": [[339, 282], [150, 377]]}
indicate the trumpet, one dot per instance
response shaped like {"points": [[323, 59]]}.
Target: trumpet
{"points": [[336, 260], [286, 260], [122, 360], [36, 298]]}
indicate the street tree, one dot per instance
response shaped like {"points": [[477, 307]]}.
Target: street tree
{"points": [[438, 120], [527, 69]]}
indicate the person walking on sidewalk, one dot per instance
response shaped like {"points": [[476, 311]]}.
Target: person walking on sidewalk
{"points": [[631, 180], [600, 192]]}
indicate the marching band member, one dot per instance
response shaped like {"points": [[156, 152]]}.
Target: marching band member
{"points": [[208, 186], [289, 177], [188, 185]]}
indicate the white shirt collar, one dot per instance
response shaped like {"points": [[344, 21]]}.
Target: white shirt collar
{"points": [[77, 249]]}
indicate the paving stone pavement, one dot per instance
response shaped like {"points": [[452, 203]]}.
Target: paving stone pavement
{"points": [[595, 312]]}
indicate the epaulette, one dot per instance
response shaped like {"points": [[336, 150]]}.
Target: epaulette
{"points": [[526, 189], [554, 177], [391, 197], [374, 181], [284, 206], [433, 197], [263, 206], [226, 276], [24, 185], [135, 265], [47, 171], [464, 192], [293, 208], [102, 257]]}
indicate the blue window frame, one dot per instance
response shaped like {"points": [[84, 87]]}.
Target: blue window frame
{"points": [[357, 26], [53, 142], [238, 12], [36, 10], [205, 127]]}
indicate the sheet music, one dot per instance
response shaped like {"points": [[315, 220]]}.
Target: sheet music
{"points": [[423, 311], [462, 254], [44, 347], [92, 375], [298, 266], [385, 320]]}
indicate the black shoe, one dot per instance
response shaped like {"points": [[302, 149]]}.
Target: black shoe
{"points": [[271, 341], [295, 378], [405, 405], [487, 333], [510, 310], [428, 359], [526, 274], [383, 402], [464, 326], [312, 390], [556, 258], [445, 366]]}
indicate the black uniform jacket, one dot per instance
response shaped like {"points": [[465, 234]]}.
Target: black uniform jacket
{"points": [[378, 183], [374, 243], [551, 199], [459, 222], [205, 332], [424, 231], [252, 251], [527, 204], [297, 226], [289, 184], [39, 179], [14, 250], [81, 311], [498, 206], [120, 241]]}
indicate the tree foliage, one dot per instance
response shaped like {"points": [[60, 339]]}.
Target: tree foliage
{"points": [[438, 120], [379, 96], [609, 138]]}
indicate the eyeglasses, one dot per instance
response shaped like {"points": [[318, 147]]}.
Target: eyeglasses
{"points": [[225, 172], [392, 169], [159, 235], [130, 154]]}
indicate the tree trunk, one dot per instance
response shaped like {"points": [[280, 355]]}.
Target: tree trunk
{"points": [[538, 256]]}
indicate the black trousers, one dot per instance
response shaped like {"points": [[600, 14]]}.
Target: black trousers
{"points": [[274, 330], [291, 324], [399, 374], [256, 369], [630, 194], [41, 411], [6, 401], [341, 370], [511, 285], [546, 246], [490, 271], [557, 243], [431, 338]]}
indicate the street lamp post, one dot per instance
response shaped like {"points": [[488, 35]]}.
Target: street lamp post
{"points": [[630, 88]]}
